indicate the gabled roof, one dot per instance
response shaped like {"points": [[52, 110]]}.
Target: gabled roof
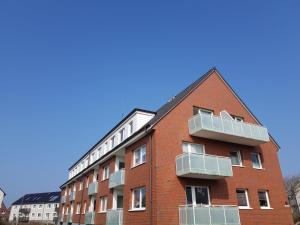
{"points": [[2, 191], [39, 198], [166, 108]]}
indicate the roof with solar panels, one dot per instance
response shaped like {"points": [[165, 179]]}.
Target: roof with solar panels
{"points": [[38, 198]]}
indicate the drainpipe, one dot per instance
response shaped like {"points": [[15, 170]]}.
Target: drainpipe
{"points": [[150, 182], [81, 202]]}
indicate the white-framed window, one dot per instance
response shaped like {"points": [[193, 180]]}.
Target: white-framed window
{"points": [[87, 182], [238, 118], [197, 195], [242, 198], [78, 208], [92, 157], [256, 160], [130, 128], [84, 208], [122, 134], [139, 198], [103, 204], [49, 206], [236, 158], [40, 206], [32, 214], [74, 187], [34, 206], [80, 185], [139, 156], [39, 215], [54, 214], [264, 201], [47, 215], [192, 148], [105, 147], [202, 111], [113, 141], [105, 173]]}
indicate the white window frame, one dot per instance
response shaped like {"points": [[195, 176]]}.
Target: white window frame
{"points": [[140, 150], [103, 204], [130, 127], [122, 134], [193, 187], [205, 111], [267, 198], [78, 205], [84, 208], [239, 158], [40, 206], [105, 173], [189, 144], [133, 208], [247, 199], [80, 185], [113, 141], [259, 160]]}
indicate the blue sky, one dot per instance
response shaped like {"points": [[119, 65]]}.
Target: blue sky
{"points": [[69, 70]]}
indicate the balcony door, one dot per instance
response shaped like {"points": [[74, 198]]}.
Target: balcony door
{"points": [[197, 195], [118, 199]]}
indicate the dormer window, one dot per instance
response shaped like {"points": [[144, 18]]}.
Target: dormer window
{"points": [[113, 141], [131, 127], [122, 134]]}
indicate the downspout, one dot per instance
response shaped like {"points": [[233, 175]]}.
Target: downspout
{"points": [[150, 182]]}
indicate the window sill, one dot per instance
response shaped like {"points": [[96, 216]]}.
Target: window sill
{"points": [[137, 210], [267, 208], [102, 212], [244, 207], [241, 166], [258, 168], [137, 165], [104, 179]]}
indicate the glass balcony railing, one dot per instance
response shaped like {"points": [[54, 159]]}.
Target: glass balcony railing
{"points": [[117, 179], [72, 195], [93, 188], [89, 218], [212, 215], [203, 166], [224, 128], [63, 199], [114, 217]]}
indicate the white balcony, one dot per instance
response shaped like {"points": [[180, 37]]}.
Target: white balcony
{"points": [[114, 217], [209, 215], [93, 188], [89, 218], [224, 128], [117, 179], [203, 166]]}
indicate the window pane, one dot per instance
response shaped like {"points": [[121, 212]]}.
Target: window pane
{"points": [[262, 196], [189, 199], [241, 197], [136, 198], [185, 147], [201, 195], [235, 158], [195, 148], [144, 154], [120, 201], [143, 193], [137, 157], [255, 160]]}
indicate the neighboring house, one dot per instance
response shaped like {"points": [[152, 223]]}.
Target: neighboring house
{"points": [[2, 195], [202, 158], [37, 207], [295, 202], [4, 213]]}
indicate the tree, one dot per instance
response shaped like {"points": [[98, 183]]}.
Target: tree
{"points": [[292, 186]]}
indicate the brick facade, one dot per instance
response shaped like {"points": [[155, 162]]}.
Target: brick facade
{"points": [[165, 191]]}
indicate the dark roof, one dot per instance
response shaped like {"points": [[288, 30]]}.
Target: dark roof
{"points": [[38, 198], [2, 191], [109, 132]]}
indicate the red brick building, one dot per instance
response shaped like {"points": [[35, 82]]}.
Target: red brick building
{"points": [[202, 158]]}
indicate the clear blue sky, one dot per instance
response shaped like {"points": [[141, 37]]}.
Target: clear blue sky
{"points": [[69, 70]]}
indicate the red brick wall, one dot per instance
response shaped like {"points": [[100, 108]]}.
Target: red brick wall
{"points": [[173, 129]]}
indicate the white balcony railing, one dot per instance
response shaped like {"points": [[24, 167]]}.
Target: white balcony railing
{"points": [[117, 179], [224, 128], [93, 188], [203, 166], [114, 217], [89, 218], [209, 215]]}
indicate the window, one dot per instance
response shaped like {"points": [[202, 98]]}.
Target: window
{"points": [[78, 208], [256, 162], [47, 215], [54, 214], [139, 156], [263, 198], [192, 148], [84, 208], [87, 182], [33, 214], [105, 173], [139, 198], [49, 206], [113, 141], [103, 204], [242, 198], [197, 110], [122, 134], [39, 215], [238, 118], [105, 147], [34, 206], [80, 185], [236, 159], [40, 206], [131, 127], [197, 195]]}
